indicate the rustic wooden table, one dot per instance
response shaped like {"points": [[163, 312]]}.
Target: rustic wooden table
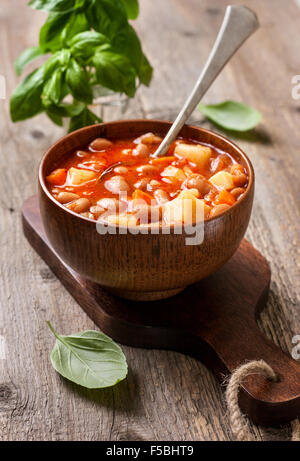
{"points": [[167, 396]]}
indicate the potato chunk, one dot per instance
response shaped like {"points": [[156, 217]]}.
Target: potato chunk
{"points": [[195, 153], [173, 172], [121, 220], [185, 208], [223, 180], [77, 176]]}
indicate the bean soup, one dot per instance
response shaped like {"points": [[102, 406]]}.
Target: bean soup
{"points": [[120, 182]]}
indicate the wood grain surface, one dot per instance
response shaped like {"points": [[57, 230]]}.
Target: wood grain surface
{"points": [[167, 395]]}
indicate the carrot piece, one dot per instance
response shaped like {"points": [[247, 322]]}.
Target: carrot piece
{"points": [[57, 177], [162, 160], [225, 197], [140, 195]]}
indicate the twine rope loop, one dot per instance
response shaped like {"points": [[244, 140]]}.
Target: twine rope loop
{"points": [[237, 420]]}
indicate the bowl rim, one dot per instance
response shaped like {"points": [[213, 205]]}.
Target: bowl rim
{"points": [[250, 169]]}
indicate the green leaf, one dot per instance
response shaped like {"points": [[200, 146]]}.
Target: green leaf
{"points": [[26, 101], [78, 81], [127, 43], [83, 45], [66, 109], [51, 33], [57, 6], [55, 118], [59, 60], [132, 8], [90, 359], [26, 57], [145, 72], [107, 17], [76, 24], [85, 118], [59, 29], [231, 115], [52, 88], [114, 71]]}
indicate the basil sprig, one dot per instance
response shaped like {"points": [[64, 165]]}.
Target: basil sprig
{"points": [[90, 359], [91, 43]]}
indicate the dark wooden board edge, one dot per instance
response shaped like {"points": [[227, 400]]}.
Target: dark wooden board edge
{"points": [[260, 411]]}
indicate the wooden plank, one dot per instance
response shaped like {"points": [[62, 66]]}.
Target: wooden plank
{"points": [[35, 403]]}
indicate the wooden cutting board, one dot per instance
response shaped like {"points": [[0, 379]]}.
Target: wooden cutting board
{"points": [[213, 320]]}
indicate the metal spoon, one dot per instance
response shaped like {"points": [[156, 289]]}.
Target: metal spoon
{"points": [[108, 170], [111, 167], [238, 24]]}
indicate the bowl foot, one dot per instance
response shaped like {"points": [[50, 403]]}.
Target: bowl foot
{"points": [[146, 295]]}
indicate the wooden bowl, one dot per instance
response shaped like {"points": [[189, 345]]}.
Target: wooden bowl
{"points": [[142, 266]]}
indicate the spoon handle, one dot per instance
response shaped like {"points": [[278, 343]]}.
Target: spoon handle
{"points": [[238, 24]]}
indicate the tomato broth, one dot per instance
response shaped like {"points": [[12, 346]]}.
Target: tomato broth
{"points": [[121, 182]]}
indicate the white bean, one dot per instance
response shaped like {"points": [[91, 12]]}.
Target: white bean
{"points": [[141, 151], [150, 138], [154, 183], [100, 144], [116, 184], [121, 170], [218, 209], [147, 170], [112, 204], [66, 197], [97, 210], [237, 192], [196, 181], [80, 205]]}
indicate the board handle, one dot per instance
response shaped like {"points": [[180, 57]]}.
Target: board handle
{"points": [[261, 399]]}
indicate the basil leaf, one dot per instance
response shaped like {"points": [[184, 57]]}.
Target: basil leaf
{"points": [[55, 118], [66, 109], [83, 45], [85, 118], [145, 71], [26, 57], [107, 17], [26, 101], [76, 24], [127, 43], [78, 81], [231, 115], [132, 8], [51, 32], [90, 359], [52, 89], [60, 60], [114, 71], [57, 6]]}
